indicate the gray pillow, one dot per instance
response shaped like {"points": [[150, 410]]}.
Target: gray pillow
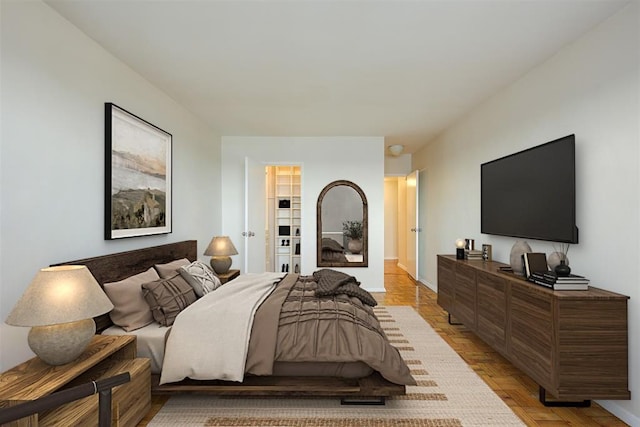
{"points": [[130, 310], [200, 276], [171, 268], [167, 298]]}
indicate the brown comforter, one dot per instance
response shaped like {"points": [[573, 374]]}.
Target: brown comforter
{"points": [[293, 325]]}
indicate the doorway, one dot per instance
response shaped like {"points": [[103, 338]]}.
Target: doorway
{"points": [[405, 220], [273, 217], [283, 218]]}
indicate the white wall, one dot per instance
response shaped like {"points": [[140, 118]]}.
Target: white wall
{"points": [[391, 218], [402, 223], [397, 166], [395, 170], [323, 160], [55, 81], [589, 88]]}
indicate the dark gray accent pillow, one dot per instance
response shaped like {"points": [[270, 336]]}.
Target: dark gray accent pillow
{"points": [[168, 297]]}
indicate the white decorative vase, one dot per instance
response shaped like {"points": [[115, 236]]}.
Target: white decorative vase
{"points": [[519, 248], [354, 246]]}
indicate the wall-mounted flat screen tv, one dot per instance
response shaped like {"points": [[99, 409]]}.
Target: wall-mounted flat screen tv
{"points": [[531, 194]]}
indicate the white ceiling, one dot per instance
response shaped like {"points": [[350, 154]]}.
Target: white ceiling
{"points": [[405, 70]]}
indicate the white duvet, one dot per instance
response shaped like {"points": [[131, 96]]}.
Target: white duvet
{"points": [[210, 338]]}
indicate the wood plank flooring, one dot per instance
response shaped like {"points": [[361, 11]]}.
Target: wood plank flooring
{"points": [[516, 389]]}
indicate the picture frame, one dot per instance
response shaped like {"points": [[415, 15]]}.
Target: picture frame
{"points": [[486, 252], [138, 176]]}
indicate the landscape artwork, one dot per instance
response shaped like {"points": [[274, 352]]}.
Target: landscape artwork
{"points": [[138, 176]]}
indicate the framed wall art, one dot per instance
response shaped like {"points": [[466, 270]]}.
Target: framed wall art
{"points": [[137, 176]]}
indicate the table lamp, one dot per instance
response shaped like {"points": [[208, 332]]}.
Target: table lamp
{"points": [[460, 244], [220, 249], [59, 305]]}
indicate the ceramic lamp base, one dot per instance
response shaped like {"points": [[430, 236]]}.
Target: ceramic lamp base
{"points": [[62, 343], [220, 264]]}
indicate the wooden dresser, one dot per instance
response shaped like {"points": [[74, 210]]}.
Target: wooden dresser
{"points": [[105, 357], [574, 344]]}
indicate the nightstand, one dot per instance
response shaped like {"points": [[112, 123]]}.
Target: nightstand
{"points": [[106, 356], [228, 276]]}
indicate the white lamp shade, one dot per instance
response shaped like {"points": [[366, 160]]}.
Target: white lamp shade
{"points": [[60, 295]]}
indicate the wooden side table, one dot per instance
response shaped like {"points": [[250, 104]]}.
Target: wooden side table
{"points": [[106, 356], [228, 276]]}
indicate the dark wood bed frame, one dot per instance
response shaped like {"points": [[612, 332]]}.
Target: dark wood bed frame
{"points": [[114, 267]]}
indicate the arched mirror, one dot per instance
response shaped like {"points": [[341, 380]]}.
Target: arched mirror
{"points": [[342, 226]]}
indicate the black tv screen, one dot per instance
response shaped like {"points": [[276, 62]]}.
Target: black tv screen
{"points": [[531, 194]]}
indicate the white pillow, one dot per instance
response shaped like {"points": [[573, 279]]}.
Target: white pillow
{"points": [[200, 276]]}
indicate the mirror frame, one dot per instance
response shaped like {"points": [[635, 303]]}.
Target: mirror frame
{"points": [[365, 227]]}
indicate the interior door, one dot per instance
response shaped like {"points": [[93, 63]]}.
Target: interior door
{"points": [[412, 224], [421, 225], [254, 233]]}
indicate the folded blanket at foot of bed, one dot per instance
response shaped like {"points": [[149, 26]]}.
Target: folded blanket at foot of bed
{"points": [[332, 282]]}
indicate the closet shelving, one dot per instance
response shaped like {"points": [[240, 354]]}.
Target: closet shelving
{"points": [[287, 228]]}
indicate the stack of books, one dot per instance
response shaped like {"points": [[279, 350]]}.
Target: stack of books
{"points": [[472, 254], [551, 280]]}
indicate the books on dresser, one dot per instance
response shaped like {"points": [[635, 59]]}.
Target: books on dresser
{"points": [[534, 262], [472, 254], [537, 271], [550, 279]]}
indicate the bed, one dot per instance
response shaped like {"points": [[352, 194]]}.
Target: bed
{"points": [[350, 382]]}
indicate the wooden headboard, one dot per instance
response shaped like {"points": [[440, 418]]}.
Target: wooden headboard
{"points": [[118, 266]]}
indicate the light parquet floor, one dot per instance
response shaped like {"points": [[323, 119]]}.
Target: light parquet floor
{"points": [[516, 389]]}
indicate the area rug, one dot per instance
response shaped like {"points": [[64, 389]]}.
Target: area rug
{"points": [[448, 393]]}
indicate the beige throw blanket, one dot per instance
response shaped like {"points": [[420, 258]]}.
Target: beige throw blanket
{"points": [[210, 338]]}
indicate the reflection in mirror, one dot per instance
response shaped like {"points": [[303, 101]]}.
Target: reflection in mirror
{"points": [[342, 233]]}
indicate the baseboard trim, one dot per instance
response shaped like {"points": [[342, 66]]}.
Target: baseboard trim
{"points": [[619, 412], [428, 285]]}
